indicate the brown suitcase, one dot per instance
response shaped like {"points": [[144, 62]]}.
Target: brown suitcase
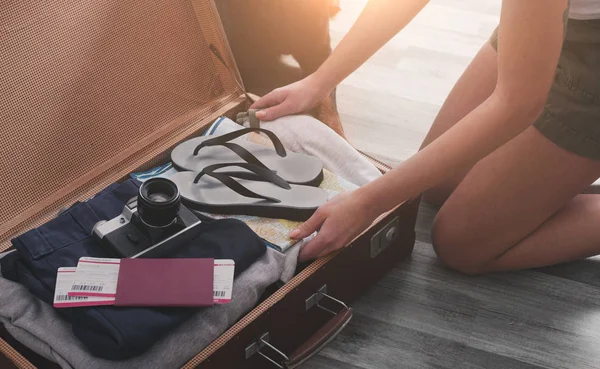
{"points": [[93, 90]]}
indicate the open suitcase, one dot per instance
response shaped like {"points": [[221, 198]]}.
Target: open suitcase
{"points": [[94, 90]]}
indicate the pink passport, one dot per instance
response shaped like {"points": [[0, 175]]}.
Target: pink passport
{"points": [[165, 282]]}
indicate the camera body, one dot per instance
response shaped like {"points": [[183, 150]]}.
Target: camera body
{"points": [[153, 224]]}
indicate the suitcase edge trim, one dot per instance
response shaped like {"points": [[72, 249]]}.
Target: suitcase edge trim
{"points": [[14, 356]]}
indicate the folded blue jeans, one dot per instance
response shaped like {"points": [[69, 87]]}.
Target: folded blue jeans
{"points": [[111, 332]]}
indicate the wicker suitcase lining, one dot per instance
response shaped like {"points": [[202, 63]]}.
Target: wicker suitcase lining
{"points": [[92, 90], [86, 84]]}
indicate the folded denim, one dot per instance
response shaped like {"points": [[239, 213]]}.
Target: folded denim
{"points": [[109, 332]]}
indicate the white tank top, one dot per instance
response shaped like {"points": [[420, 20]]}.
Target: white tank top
{"points": [[584, 9]]}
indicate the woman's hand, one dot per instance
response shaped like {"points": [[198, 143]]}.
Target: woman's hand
{"points": [[339, 221], [297, 97], [377, 24]]}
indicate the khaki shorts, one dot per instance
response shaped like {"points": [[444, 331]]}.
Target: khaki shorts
{"points": [[571, 117]]}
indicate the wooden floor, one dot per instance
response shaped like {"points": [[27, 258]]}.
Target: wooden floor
{"points": [[388, 105], [421, 315]]}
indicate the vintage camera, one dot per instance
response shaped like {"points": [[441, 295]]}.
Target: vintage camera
{"points": [[153, 224]]}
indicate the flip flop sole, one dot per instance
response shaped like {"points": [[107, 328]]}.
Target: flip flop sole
{"points": [[210, 195], [294, 168]]}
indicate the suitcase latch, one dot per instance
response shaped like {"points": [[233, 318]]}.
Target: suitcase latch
{"points": [[385, 237]]}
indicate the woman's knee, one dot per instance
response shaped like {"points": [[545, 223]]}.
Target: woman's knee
{"points": [[454, 246]]}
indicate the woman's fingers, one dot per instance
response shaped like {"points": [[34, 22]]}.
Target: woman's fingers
{"points": [[310, 226], [314, 247], [274, 112], [274, 97], [273, 105], [337, 222]]}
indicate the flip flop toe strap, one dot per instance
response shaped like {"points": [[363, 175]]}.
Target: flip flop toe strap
{"points": [[240, 151], [223, 140], [256, 173]]}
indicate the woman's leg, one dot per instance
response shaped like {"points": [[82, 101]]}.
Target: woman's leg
{"points": [[519, 208], [474, 86]]}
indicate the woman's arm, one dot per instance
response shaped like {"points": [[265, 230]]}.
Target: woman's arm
{"points": [[378, 23], [529, 44], [530, 40]]}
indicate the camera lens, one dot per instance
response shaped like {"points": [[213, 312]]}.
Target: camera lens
{"points": [[158, 202]]}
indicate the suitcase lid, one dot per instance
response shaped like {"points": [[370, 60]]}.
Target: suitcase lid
{"points": [[90, 90]]}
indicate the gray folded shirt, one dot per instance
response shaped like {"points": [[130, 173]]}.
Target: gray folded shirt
{"points": [[37, 325]]}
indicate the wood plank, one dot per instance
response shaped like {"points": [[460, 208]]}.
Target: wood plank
{"points": [[324, 362], [407, 348]]}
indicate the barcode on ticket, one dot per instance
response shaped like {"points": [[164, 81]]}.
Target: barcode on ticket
{"points": [[87, 287], [223, 281], [219, 294], [64, 280], [70, 298]]}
